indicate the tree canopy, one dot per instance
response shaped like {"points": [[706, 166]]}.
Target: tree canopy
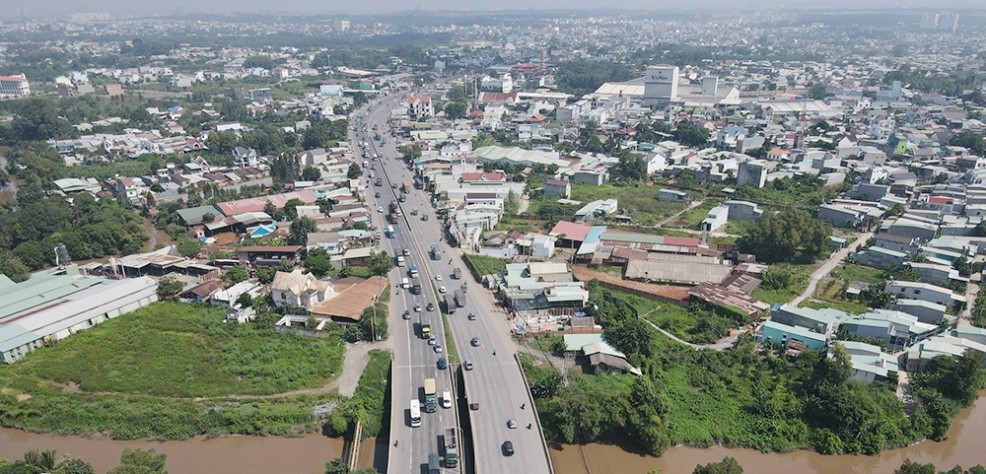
{"points": [[790, 236]]}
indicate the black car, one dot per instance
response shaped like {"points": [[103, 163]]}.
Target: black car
{"points": [[508, 448], [442, 363], [407, 314], [431, 306]]}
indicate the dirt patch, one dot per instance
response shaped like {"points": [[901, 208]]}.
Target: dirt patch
{"points": [[669, 293], [6, 391], [71, 387], [23, 397]]}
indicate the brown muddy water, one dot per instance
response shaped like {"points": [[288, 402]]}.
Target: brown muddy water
{"points": [[230, 454], [966, 446]]}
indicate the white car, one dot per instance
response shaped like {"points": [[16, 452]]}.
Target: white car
{"points": [[379, 209], [441, 289], [438, 278], [438, 347]]}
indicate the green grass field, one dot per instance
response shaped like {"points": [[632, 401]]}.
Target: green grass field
{"points": [[171, 371], [176, 350], [801, 275], [639, 201], [485, 265]]}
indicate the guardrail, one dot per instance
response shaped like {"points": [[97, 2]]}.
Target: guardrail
{"points": [[537, 419], [351, 453]]}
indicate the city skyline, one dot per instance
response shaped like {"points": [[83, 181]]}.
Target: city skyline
{"points": [[63, 8]]}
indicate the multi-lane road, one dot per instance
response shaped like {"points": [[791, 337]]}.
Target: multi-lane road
{"points": [[495, 383]]}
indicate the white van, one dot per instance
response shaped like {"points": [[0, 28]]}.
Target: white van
{"points": [[446, 399], [405, 283]]}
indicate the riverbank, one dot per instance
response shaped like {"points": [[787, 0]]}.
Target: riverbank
{"points": [[223, 455], [963, 446]]}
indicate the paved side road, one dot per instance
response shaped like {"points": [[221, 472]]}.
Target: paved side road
{"points": [[356, 357]]}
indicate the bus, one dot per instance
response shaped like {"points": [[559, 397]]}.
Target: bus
{"points": [[415, 413]]}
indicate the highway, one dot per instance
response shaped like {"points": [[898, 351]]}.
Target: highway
{"points": [[414, 359], [496, 382]]}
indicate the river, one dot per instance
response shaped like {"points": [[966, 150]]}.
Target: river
{"points": [[308, 454], [229, 454], [964, 446]]}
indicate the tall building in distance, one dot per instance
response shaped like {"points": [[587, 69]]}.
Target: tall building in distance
{"points": [[939, 21], [660, 85], [14, 86]]}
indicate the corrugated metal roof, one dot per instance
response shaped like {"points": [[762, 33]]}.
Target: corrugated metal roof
{"points": [[42, 289]]}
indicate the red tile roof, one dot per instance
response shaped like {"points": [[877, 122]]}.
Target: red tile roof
{"points": [[572, 231]]}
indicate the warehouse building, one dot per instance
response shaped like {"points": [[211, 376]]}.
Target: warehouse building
{"points": [[54, 304]]}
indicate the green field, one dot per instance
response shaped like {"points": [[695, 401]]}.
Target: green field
{"points": [[370, 403], [640, 202], [176, 350], [800, 274], [691, 218], [831, 292], [482, 265], [171, 371]]}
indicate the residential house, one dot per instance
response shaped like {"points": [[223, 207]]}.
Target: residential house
{"points": [[869, 363], [597, 208], [935, 274], [752, 173], [672, 195], [298, 290], [245, 157], [783, 334], [925, 311], [227, 298], [924, 292], [743, 210], [558, 187], [716, 218], [879, 257]]}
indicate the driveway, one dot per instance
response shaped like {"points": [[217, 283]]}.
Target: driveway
{"points": [[830, 264]]}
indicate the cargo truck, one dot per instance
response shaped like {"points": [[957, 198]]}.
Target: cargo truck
{"points": [[413, 271], [431, 402], [425, 329], [451, 448]]}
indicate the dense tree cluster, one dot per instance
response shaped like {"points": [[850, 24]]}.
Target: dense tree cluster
{"points": [[911, 467], [88, 228], [790, 236], [687, 133], [582, 77], [132, 461], [726, 466]]}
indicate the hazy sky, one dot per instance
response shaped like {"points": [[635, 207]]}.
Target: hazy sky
{"points": [[61, 8]]}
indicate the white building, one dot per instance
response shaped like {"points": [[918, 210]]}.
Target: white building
{"points": [[14, 86], [660, 85], [298, 290]]}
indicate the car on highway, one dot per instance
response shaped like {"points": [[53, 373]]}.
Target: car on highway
{"points": [[379, 209], [438, 347], [472, 316], [467, 364], [442, 364], [441, 289], [431, 306], [432, 340], [475, 341], [417, 307], [406, 315], [376, 195], [512, 423], [438, 278], [508, 448]]}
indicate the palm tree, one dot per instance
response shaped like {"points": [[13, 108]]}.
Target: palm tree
{"points": [[45, 460]]}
